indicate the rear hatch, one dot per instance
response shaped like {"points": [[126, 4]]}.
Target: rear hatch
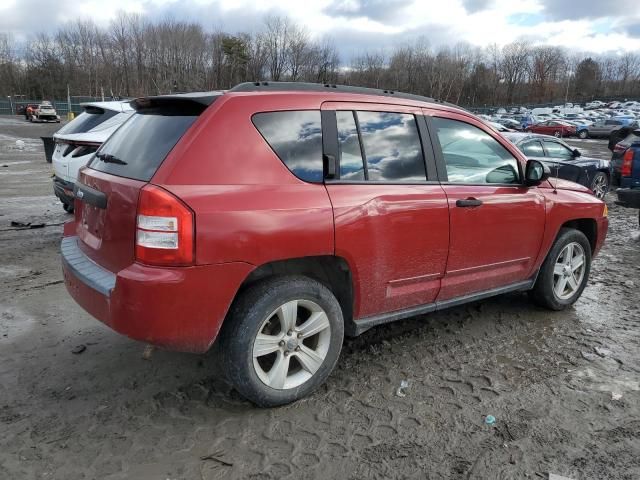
{"points": [[126, 162]]}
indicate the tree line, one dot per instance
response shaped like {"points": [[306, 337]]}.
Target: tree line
{"points": [[134, 56]]}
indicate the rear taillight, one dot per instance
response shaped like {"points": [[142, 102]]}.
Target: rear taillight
{"points": [[164, 229], [627, 163], [617, 148]]}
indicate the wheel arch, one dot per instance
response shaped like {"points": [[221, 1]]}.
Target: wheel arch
{"points": [[330, 270], [588, 226]]}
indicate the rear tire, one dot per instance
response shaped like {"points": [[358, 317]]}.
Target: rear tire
{"points": [[583, 134], [562, 278], [557, 134], [271, 352], [600, 185], [67, 207]]}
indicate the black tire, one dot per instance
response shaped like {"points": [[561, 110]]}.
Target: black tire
{"points": [[245, 320], [600, 179], [583, 134], [67, 207], [543, 293]]}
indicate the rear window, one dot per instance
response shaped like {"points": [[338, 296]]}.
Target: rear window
{"points": [[141, 144], [296, 137], [87, 120]]}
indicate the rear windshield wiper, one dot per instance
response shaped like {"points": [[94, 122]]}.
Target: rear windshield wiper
{"points": [[107, 158]]}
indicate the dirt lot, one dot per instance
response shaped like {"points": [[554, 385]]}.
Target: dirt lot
{"points": [[564, 387]]}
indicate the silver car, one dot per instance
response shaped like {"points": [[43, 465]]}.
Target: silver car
{"points": [[603, 128]]}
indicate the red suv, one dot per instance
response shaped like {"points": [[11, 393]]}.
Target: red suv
{"points": [[279, 217]]}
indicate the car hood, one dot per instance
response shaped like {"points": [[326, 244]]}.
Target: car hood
{"points": [[560, 184]]}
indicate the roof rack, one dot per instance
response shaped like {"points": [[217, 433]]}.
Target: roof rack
{"points": [[326, 87]]}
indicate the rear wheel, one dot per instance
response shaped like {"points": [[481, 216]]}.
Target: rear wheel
{"points": [[67, 207], [282, 339], [583, 134], [600, 185], [557, 134], [564, 273]]}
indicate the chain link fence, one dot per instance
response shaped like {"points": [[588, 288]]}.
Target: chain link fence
{"points": [[17, 106]]}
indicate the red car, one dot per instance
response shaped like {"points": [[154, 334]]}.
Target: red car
{"points": [[276, 218], [557, 128]]}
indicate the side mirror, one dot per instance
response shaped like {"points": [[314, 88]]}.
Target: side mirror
{"points": [[535, 173], [576, 153]]}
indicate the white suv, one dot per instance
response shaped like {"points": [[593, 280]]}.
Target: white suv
{"points": [[79, 139]]}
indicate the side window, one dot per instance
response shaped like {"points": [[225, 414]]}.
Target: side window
{"points": [[351, 164], [557, 150], [296, 137], [392, 147], [472, 156], [532, 149]]}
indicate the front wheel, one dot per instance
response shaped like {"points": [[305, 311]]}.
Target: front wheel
{"points": [[600, 185], [282, 339], [564, 273]]}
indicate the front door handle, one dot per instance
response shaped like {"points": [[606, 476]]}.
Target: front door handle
{"points": [[468, 202]]}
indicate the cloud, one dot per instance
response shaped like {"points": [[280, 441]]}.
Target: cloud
{"points": [[473, 6], [564, 10], [378, 10]]}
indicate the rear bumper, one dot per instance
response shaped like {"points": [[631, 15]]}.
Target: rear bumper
{"points": [[63, 190], [179, 308], [628, 197]]}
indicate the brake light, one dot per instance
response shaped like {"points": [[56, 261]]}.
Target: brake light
{"points": [[164, 229], [627, 163], [617, 148]]}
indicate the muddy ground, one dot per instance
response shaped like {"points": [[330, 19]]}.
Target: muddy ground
{"points": [[564, 387]]}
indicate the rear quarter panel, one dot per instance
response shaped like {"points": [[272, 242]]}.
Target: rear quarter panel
{"points": [[249, 207]]}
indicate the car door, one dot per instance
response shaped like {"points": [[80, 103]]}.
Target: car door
{"points": [[391, 214], [559, 158], [496, 222]]}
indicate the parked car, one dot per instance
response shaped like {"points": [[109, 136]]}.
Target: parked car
{"points": [[78, 140], [29, 109], [593, 105], [619, 143], [44, 113], [557, 128], [629, 191], [603, 128], [565, 162], [276, 217], [509, 123]]}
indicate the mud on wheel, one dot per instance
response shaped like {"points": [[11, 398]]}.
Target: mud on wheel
{"points": [[282, 339], [564, 273]]}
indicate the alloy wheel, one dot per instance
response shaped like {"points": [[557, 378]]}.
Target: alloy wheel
{"points": [[600, 186], [292, 344], [568, 271]]}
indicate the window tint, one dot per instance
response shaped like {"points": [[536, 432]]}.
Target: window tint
{"points": [[392, 147], [351, 164], [472, 155], [557, 150], [141, 144], [532, 149], [613, 122], [296, 137]]}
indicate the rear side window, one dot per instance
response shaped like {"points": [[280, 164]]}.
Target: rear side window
{"points": [[141, 144], [532, 149], [87, 120], [392, 147], [296, 137], [613, 122]]}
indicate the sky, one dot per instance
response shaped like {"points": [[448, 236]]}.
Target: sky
{"points": [[355, 26]]}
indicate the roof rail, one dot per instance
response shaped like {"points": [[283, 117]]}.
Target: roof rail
{"points": [[326, 87]]}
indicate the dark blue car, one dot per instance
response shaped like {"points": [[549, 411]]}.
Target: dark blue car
{"points": [[629, 191]]}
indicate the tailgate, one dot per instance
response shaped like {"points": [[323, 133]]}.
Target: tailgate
{"points": [[106, 217]]}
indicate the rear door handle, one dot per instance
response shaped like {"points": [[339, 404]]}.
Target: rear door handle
{"points": [[468, 202]]}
